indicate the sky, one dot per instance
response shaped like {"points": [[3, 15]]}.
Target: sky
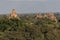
{"points": [[29, 6]]}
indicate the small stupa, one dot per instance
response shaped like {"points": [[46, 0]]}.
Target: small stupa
{"points": [[13, 14], [50, 16]]}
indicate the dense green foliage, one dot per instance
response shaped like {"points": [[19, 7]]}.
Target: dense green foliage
{"points": [[28, 28]]}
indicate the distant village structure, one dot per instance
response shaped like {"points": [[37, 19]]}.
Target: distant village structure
{"points": [[50, 16], [13, 14]]}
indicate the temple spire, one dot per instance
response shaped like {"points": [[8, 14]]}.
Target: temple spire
{"points": [[13, 14]]}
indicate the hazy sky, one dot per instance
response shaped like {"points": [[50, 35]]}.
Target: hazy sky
{"points": [[29, 6]]}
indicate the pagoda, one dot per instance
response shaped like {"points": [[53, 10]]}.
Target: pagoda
{"points": [[13, 14]]}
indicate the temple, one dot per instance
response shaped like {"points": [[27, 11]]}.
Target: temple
{"points": [[13, 14], [50, 16]]}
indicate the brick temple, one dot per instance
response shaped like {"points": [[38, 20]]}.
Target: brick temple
{"points": [[50, 16], [13, 14]]}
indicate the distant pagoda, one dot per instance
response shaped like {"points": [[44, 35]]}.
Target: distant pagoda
{"points": [[13, 14], [50, 16]]}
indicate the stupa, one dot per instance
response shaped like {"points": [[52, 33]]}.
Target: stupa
{"points": [[50, 16], [39, 16], [13, 14]]}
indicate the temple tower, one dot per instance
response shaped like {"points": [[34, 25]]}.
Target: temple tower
{"points": [[39, 16], [13, 14], [52, 17]]}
